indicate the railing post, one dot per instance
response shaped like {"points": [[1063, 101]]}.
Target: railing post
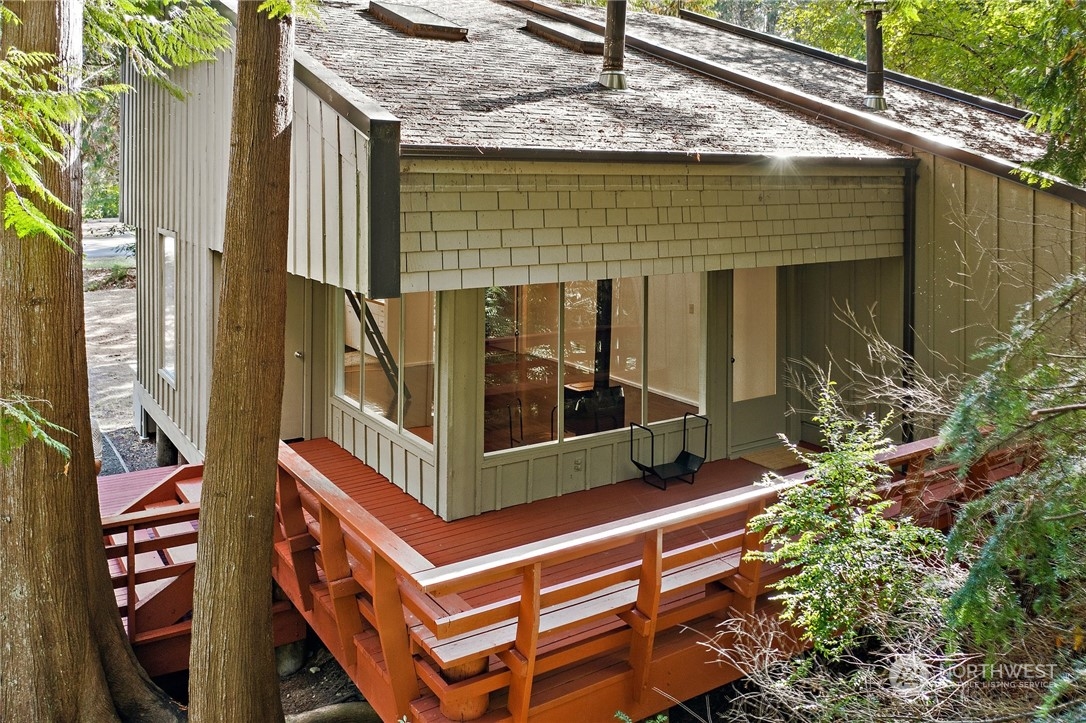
{"points": [[748, 576], [646, 611], [912, 491], [296, 537], [976, 479], [393, 634], [130, 564], [521, 659], [342, 588]]}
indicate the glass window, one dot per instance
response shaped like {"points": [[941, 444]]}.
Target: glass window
{"points": [[381, 358], [600, 350], [168, 303], [520, 366], [602, 347], [352, 345], [418, 365], [674, 348], [754, 333]]}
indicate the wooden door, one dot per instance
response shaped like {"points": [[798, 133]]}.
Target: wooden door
{"points": [[293, 422], [756, 392]]}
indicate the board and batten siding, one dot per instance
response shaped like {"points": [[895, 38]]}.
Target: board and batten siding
{"points": [[173, 180], [404, 460], [872, 290], [984, 246], [174, 164]]}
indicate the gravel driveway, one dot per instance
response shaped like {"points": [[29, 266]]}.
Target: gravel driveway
{"points": [[111, 364]]}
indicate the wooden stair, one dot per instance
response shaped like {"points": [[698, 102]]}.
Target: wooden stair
{"points": [[155, 569], [166, 601]]}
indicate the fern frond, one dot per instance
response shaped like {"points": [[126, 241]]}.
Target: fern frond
{"points": [[21, 423]]}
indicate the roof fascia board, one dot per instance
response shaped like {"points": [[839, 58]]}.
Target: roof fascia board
{"points": [[912, 81], [759, 160], [868, 124]]}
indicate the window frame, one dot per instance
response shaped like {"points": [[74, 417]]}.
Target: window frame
{"points": [[167, 346]]}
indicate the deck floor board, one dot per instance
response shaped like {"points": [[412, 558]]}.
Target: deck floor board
{"points": [[117, 491], [447, 542]]}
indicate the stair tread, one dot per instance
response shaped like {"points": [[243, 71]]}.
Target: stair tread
{"points": [[190, 491]]}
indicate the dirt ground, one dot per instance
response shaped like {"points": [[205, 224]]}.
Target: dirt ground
{"points": [[111, 361]]}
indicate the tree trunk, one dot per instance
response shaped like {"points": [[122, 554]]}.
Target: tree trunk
{"points": [[63, 652], [232, 665]]}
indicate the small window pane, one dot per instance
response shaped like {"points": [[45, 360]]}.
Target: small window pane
{"points": [[169, 305], [418, 365], [604, 322], [352, 345], [381, 358], [673, 345], [521, 366], [754, 333]]}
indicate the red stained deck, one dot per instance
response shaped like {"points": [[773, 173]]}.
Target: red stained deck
{"points": [[117, 491], [564, 609], [443, 542]]}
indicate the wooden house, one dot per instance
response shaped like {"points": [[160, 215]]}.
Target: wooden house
{"points": [[461, 201], [498, 265]]}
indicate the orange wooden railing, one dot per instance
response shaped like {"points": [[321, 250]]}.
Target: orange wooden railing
{"points": [[543, 606], [125, 543]]}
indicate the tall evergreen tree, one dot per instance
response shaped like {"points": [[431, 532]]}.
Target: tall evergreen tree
{"points": [[63, 652], [232, 665]]}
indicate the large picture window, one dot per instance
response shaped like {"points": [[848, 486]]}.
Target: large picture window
{"points": [[566, 360]]}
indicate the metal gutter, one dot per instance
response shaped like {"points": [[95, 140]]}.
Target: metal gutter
{"points": [[908, 259], [843, 60], [530, 153], [869, 124]]}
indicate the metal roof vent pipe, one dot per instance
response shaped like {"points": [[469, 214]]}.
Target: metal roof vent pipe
{"points": [[874, 99], [614, 45]]}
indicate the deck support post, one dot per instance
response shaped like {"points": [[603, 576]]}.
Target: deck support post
{"points": [[976, 479], [521, 659], [342, 589], [296, 538], [392, 632], [464, 709], [646, 611], [748, 576]]}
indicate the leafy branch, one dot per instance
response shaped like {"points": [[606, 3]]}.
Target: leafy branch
{"points": [[21, 423]]}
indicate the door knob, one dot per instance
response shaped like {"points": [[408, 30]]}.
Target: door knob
{"points": [[299, 355]]}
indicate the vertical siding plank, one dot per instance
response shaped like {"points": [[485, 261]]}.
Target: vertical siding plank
{"points": [[1051, 240], [947, 293], [315, 205], [299, 180], [982, 261], [925, 249], [348, 200], [1015, 249], [362, 196], [1078, 237], [329, 257]]}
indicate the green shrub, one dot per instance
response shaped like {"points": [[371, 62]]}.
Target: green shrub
{"points": [[848, 559]]}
